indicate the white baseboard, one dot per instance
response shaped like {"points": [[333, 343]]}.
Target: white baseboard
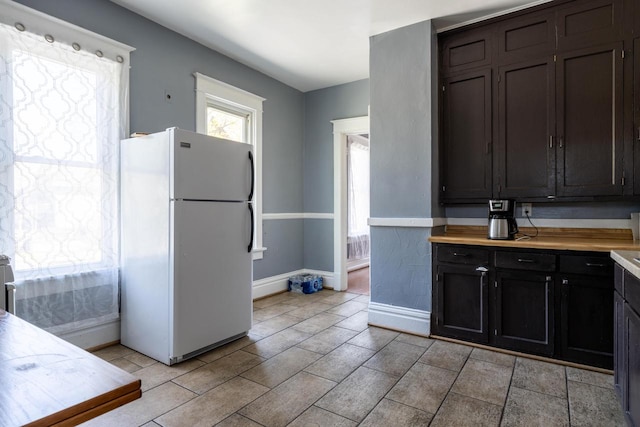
{"points": [[276, 284], [357, 264], [94, 336], [400, 318]]}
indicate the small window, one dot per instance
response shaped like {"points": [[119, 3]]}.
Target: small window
{"points": [[226, 124]]}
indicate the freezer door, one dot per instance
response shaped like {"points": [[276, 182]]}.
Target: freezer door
{"points": [[212, 274], [207, 168]]}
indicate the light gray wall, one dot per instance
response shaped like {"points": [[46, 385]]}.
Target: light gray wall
{"points": [[553, 210], [401, 163], [165, 61], [321, 107]]}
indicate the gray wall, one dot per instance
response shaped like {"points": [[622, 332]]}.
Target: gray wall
{"points": [[165, 61], [401, 164], [322, 106], [555, 210]]}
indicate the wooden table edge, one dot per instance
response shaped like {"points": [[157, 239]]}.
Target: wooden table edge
{"points": [[92, 408]]}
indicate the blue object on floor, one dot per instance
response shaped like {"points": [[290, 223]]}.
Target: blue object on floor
{"points": [[306, 284]]}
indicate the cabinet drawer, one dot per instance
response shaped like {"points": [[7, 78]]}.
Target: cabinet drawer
{"points": [[526, 261], [462, 255], [584, 264]]}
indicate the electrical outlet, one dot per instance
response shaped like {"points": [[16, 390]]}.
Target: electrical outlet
{"points": [[527, 209]]}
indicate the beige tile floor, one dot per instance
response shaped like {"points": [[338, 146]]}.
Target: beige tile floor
{"points": [[312, 360]]}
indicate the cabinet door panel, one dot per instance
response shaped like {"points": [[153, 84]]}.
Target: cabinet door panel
{"points": [[526, 37], [462, 303], [587, 320], [636, 103], [618, 344], [524, 158], [467, 136], [524, 312], [631, 398], [589, 97], [582, 24], [470, 49]]}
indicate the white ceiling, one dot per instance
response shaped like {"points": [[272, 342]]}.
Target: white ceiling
{"points": [[306, 44]]}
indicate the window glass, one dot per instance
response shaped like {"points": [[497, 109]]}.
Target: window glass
{"points": [[225, 124]]}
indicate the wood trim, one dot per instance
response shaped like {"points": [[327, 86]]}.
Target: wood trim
{"points": [[622, 234], [99, 410], [561, 239]]}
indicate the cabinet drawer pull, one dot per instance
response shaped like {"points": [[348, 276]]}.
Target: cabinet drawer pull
{"points": [[462, 255], [526, 260], [590, 264]]}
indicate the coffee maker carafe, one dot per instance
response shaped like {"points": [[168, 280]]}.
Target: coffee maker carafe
{"points": [[502, 221]]}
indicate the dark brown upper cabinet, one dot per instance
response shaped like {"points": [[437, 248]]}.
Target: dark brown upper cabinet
{"points": [[467, 136], [636, 115], [587, 23], [564, 104], [528, 37], [524, 162], [590, 122], [468, 50]]}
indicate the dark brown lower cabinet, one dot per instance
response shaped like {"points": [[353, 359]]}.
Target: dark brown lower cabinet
{"points": [[524, 311], [587, 319], [631, 397], [619, 368], [462, 300], [557, 304], [627, 346]]}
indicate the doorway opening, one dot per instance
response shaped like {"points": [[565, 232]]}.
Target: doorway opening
{"points": [[341, 130], [358, 213]]}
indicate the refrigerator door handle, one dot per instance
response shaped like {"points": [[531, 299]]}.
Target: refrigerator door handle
{"points": [[250, 247], [253, 177]]}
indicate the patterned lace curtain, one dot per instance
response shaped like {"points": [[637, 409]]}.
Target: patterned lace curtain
{"points": [[358, 197], [62, 115]]}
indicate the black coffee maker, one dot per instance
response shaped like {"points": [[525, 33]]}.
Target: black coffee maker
{"points": [[502, 221]]}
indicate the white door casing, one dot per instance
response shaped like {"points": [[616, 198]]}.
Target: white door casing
{"points": [[341, 129]]}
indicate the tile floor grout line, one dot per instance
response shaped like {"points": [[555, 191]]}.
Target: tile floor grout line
{"points": [[450, 387], [506, 398]]}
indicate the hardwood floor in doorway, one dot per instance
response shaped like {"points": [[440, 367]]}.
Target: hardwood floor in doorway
{"points": [[358, 281]]}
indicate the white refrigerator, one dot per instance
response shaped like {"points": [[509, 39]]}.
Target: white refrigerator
{"points": [[186, 243]]}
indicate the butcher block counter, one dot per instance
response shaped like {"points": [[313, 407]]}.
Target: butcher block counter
{"points": [[45, 380], [577, 239]]}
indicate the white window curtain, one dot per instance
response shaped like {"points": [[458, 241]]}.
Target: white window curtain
{"points": [[358, 195], [62, 115]]}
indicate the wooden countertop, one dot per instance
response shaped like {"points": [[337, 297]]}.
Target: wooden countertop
{"points": [[45, 380], [575, 239]]}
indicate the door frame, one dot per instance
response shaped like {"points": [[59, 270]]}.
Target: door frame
{"points": [[341, 129]]}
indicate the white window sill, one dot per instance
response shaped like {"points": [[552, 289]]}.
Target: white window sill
{"points": [[257, 253]]}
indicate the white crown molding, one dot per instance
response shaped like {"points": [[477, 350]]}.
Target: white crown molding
{"points": [[403, 319], [297, 215], [492, 15]]}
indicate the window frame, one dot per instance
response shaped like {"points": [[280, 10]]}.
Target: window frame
{"points": [[212, 92]]}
